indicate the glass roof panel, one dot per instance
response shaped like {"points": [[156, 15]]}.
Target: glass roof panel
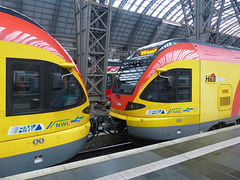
{"points": [[174, 12], [176, 15], [140, 10], [170, 10], [155, 13], [116, 3], [128, 4], [153, 8], [143, 6], [138, 2], [134, 7]]}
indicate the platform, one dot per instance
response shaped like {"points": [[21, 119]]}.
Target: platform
{"points": [[211, 155]]}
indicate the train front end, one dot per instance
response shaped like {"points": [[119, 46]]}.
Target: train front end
{"points": [[154, 95], [44, 105]]}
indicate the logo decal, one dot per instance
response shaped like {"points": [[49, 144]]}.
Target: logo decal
{"points": [[156, 111], [64, 122], [214, 78], [188, 110], [175, 110], [26, 129], [117, 103]]}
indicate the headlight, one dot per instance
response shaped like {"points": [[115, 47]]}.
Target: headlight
{"points": [[134, 106], [86, 110]]}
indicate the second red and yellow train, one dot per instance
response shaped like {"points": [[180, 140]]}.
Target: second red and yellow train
{"points": [[177, 88]]}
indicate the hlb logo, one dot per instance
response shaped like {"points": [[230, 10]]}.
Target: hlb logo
{"points": [[211, 78], [214, 78]]}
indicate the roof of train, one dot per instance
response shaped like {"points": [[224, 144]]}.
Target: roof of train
{"points": [[19, 15], [176, 41], [195, 50], [16, 27]]}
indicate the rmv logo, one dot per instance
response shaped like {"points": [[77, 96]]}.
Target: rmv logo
{"points": [[25, 129]]}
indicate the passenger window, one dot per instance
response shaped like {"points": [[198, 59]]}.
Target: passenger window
{"points": [[184, 85], [65, 89], [23, 92], [35, 86], [171, 86], [25, 87]]}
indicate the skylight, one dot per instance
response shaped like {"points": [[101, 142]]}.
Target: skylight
{"points": [[171, 10]]}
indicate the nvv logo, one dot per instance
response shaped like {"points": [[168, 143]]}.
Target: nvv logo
{"points": [[26, 129]]}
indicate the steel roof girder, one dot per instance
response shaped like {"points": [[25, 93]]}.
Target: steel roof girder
{"points": [[190, 30], [157, 33], [206, 23], [99, 17], [94, 37], [149, 6], [162, 9], [236, 8], [170, 11], [53, 26], [220, 12], [95, 63], [139, 6], [157, 7], [19, 6], [97, 41]]}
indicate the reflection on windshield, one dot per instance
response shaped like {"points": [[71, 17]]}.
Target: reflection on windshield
{"points": [[133, 68], [129, 75]]}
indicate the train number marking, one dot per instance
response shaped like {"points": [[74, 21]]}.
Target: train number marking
{"points": [[26, 129]]}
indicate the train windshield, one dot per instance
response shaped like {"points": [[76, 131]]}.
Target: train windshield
{"points": [[130, 73], [133, 68]]}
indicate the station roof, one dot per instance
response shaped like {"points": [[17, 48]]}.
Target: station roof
{"points": [[136, 23]]}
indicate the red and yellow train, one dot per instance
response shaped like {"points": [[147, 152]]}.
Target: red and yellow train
{"points": [[44, 110], [177, 88]]}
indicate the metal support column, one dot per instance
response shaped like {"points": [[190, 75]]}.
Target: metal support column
{"points": [[199, 17], [214, 36], [92, 41]]}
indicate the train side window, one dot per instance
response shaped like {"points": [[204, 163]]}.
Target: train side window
{"points": [[65, 90], [23, 88], [172, 86], [184, 85], [160, 89]]}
